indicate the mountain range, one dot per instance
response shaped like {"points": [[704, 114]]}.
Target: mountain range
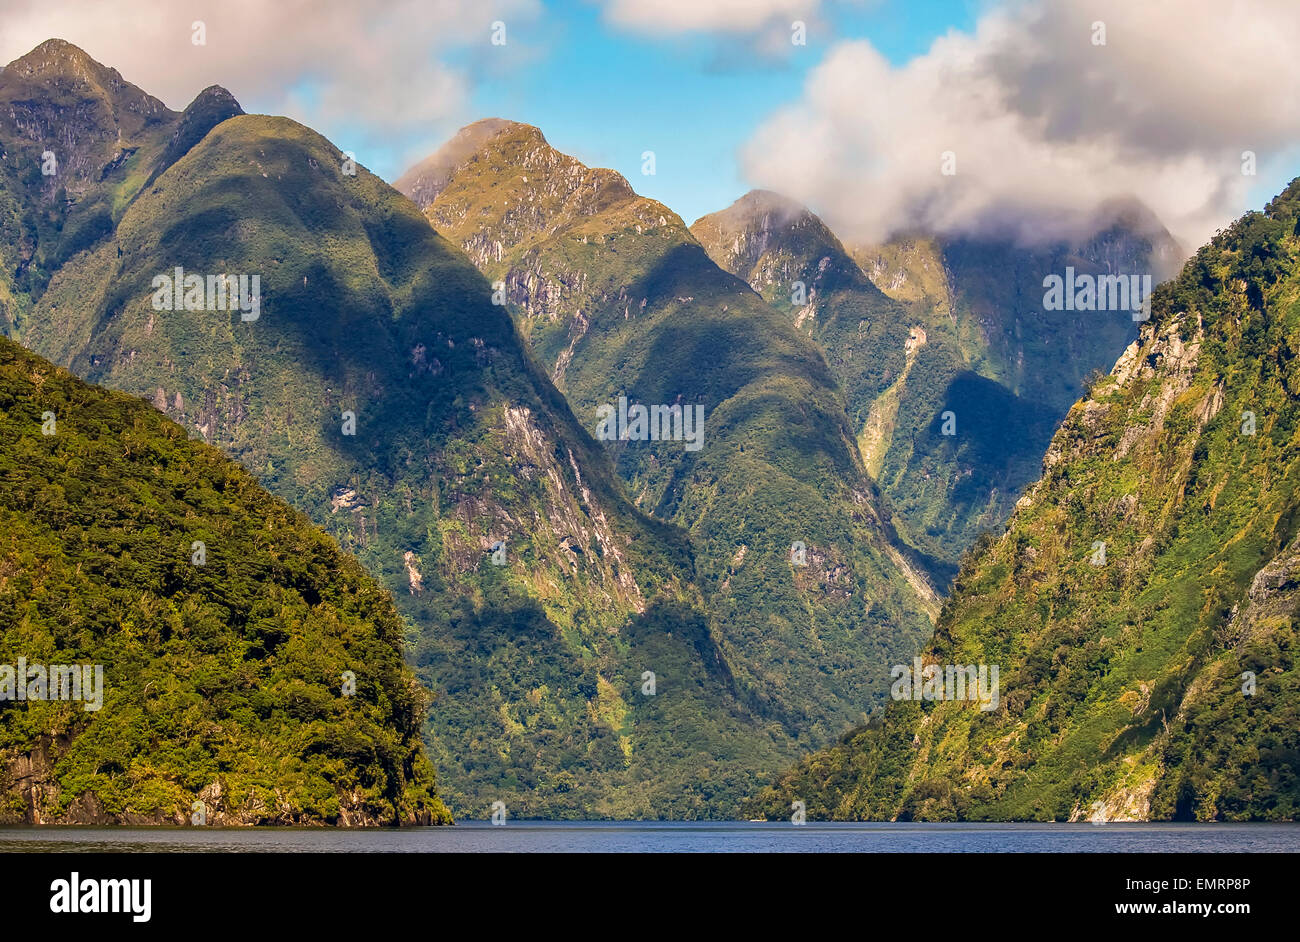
{"points": [[653, 512], [954, 373], [618, 300], [1141, 604], [379, 391]]}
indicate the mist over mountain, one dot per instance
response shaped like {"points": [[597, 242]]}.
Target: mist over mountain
{"points": [[955, 374], [1141, 605], [1020, 125]]}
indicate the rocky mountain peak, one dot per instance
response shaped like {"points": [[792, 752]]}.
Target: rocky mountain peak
{"points": [[765, 237], [423, 182], [215, 96], [498, 185], [58, 64], [58, 57]]}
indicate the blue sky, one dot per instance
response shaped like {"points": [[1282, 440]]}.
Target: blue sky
{"points": [[605, 94]]}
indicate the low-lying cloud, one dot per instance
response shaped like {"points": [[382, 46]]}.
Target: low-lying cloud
{"points": [[1043, 123]]}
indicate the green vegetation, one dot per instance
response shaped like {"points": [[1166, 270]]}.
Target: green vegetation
{"points": [[535, 666], [103, 133], [956, 325], [1163, 683], [616, 297], [223, 680], [1120, 683]]}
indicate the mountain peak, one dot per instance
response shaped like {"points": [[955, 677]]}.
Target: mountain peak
{"points": [[499, 184], [58, 66], [479, 133], [486, 128], [208, 109], [762, 211], [763, 224], [58, 56], [423, 182], [215, 96], [58, 97], [757, 203]]}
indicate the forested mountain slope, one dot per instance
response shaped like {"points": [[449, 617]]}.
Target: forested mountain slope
{"points": [[955, 374], [619, 300], [1142, 602], [366, 377], [215, 629]]}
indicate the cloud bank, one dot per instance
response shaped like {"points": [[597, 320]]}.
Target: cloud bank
{"points": [[1043, 123], [380, 65], [723, 16]]}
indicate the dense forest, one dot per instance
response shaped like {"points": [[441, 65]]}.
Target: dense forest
{"points": [[248, 664]]}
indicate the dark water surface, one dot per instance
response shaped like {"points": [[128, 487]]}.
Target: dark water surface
{"points": [[663, 837]]}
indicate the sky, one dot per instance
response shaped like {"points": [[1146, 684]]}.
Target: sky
{"points": [[608, 93], [1045, 117]]}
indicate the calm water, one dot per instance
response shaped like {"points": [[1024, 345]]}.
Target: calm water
{"points": [[632, 837]]}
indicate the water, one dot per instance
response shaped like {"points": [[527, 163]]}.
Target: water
{"points": [[675, 837]]}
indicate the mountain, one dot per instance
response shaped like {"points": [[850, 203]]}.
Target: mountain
{"points": [[622, 306], [215, 624], [924, 326], [68, 129], [1142, 604], [357, 367]]}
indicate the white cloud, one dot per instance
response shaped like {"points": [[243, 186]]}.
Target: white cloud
{"points": [[375, 63], [679, 16], [1045, 125]]}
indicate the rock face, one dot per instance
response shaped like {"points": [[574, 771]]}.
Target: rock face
{"points": [[954, 374], [58, 98], [618, 299], [1142, 603]]}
